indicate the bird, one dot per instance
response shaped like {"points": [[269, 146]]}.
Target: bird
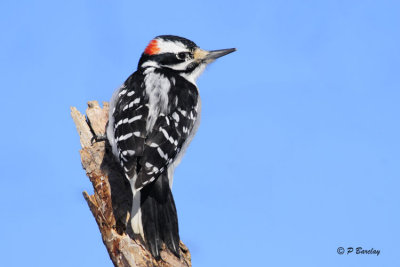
{"points": [[153, 117]]}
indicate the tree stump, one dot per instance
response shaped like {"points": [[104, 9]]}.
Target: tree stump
{"points": [[111, 202]]}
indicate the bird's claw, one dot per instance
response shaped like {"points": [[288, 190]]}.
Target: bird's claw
{"points": [[98, 138]]}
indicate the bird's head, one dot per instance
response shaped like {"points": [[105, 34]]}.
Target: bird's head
{"points": [[180, 55]]}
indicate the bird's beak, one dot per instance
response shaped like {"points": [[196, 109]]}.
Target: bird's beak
{"points": [[219, 53], [210, 56]]}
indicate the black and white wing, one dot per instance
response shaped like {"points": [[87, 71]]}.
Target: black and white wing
{"points": [[129, 118]]}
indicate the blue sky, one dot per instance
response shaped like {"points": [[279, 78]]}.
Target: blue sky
{"points": [[297, 153]]}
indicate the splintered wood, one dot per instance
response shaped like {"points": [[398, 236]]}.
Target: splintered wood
{"points": [[110, 204]]}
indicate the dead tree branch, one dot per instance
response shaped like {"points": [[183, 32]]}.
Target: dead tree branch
{"points": [[111, 202]]}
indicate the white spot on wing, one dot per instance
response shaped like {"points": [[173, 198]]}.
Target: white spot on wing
{"points": [[124, 137], [175, 116], [171, 140], [128, 152], [136, 101], [138, 117], [162, 154], [131, 152], [183, 112], [148, 165], [153, 145], [165, 133], [122, 92]]}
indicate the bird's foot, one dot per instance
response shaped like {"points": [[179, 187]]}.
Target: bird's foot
{"points": [[98, 138]]}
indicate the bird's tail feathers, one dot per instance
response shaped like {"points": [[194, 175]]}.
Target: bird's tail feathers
{"points": [[159, 217]]}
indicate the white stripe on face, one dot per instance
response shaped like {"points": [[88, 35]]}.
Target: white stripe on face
{"points": [[167, 46]]}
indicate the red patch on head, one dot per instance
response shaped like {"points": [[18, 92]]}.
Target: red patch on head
{"points": [[152, 48]]}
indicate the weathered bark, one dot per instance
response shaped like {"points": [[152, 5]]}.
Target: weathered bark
{"points": [[111, 202]]}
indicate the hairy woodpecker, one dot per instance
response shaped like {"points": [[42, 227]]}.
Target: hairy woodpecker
{"points": [[153, 117]]}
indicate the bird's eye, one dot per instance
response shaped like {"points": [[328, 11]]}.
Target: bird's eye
{"points": [[181, 55]]}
